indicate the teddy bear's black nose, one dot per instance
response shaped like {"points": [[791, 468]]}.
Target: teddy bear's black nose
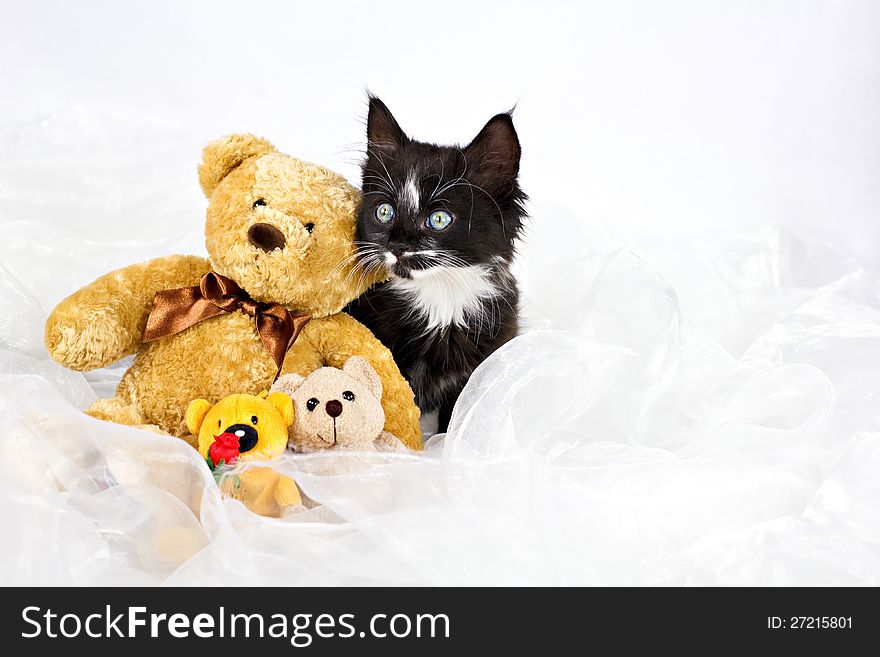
{"points": [[247, 436], [334, 408], [266, 237]]}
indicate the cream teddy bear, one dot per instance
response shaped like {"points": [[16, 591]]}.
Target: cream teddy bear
{"points": [[338, 409]]}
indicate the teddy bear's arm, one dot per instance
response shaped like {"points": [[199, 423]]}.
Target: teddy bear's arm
{"points": [[104, 321], [332, 341], [303, 357]]}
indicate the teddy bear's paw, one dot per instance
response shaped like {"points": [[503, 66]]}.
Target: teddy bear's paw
{"points": [[152, 428], [388, 442], [85, 340], [120, 411], [287, 493]]}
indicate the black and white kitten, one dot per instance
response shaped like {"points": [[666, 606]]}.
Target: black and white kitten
{"points": [[443, 221]]}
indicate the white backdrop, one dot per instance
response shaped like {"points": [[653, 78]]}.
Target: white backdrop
{"points": [[693, 113], [696, 398]]}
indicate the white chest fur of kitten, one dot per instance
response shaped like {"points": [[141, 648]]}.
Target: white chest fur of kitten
{"points": [[446, 296]]}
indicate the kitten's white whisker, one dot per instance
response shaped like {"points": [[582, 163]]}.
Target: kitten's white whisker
{"points": [[381, 182], [389, 177], [491, 198], [439, 180], [449, 185]]}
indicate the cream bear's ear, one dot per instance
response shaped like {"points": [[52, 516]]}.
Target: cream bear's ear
{"points": [[195, 415], [221, 156], [358, 368], [284, 404], [288, 383]]}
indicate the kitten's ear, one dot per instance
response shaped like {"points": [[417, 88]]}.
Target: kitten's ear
{"points": [[493, 156], [383, 131]]}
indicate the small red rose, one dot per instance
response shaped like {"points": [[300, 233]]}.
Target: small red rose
{"points": [[224, 448]]}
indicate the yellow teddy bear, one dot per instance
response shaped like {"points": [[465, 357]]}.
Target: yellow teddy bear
{"points": [[247, 428], [282, 264]]}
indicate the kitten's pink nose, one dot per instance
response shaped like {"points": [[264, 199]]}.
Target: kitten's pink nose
{"points": [[334, 408]]}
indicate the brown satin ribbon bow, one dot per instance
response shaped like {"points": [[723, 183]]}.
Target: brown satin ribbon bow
{"points": [[176, 310]]}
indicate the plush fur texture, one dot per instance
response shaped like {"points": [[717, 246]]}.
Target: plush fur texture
{"points": [[248, 183], [451, 300], [337, 409]]}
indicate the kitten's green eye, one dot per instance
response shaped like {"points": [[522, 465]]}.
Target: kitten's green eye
{"points": [[385, 213], [439, 220]]}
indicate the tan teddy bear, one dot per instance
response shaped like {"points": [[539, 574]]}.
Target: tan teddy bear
{"points": [[282, 265], [337, 409]]}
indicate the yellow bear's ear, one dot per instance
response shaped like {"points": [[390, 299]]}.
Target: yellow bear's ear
{"points": [[220, 157], [195, 415], [284, 404]]}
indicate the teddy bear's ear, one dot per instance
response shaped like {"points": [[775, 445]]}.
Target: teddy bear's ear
{"points": [[358, 368], [288, 383], [284, 404], [221, 156], [195, 415]]}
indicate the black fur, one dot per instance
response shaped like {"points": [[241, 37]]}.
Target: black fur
{"points": [[476, 184]]}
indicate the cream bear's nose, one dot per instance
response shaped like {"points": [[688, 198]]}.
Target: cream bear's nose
{"points": [[334, 408]]}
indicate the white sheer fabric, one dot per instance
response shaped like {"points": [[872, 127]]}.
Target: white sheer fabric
{"points": [[689, 410]]}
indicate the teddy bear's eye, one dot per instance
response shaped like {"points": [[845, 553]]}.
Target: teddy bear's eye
{"points": [[219, 423], [259, 202], [348, 395], [253, 419], [312, 404], [310, 227]]}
